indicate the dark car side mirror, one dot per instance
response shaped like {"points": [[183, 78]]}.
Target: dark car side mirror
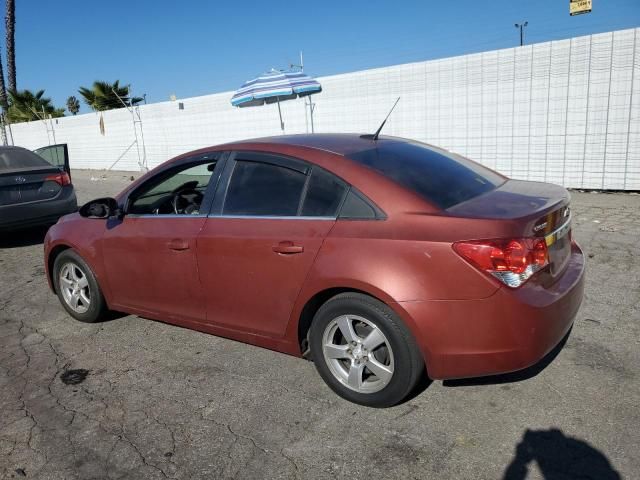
{"points": [[101, 208]]}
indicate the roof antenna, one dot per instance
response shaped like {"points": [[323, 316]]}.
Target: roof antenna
{"points": [[377, 134]]}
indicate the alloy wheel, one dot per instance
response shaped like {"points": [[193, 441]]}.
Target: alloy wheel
{"points": [[74, 286], [357, 353]]}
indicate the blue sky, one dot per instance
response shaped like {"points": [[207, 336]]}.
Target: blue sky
{"points": [[199, 47]]}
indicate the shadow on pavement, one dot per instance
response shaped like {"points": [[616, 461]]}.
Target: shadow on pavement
{"points": [[512, 377], [558, 457], [23, 238], [422, 385]]}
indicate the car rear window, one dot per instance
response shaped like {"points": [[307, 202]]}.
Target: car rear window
{"points": [[441, 177], [12, 158]]}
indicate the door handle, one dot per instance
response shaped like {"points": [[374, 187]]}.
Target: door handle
{"points": [[178, 245], [287, 248]]}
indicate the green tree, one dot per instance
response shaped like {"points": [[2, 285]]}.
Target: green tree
{"points": [[73, 105], [104, 96], [26, 106]]}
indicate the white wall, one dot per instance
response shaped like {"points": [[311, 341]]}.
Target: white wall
{"points": [[566, 112]]}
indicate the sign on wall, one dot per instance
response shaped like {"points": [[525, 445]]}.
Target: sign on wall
{"points": [[578, 7]]}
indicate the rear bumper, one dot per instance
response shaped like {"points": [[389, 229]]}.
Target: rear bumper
{"points": [[509, 331], [23, 215]]}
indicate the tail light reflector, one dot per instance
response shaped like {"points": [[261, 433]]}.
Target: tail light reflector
{"points": [[61, 178], [512, 261]]}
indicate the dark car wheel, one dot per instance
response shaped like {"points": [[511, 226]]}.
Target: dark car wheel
{"points": [[77, 287], [363, 351]]}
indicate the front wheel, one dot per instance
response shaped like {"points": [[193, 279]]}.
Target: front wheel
{"points": [[77, 287], [363, 351]]}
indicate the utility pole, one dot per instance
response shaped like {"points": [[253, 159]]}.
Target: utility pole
{"points": [[521, 27]]}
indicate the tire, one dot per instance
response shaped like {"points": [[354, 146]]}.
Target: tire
{"points": [[77, 288], [388, 365]]}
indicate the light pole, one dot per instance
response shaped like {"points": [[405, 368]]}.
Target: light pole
{"points": [[521, 27]]}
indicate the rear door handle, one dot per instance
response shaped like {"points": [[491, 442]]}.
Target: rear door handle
{"points": [[178, 244], [287, 248]]}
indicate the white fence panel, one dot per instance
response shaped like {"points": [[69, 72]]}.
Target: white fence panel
{"points": [[566, 112]]}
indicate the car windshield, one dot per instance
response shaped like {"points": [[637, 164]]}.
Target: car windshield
{"points": [[14, 158], [443, 178]]}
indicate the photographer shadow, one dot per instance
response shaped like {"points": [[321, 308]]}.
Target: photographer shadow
{"points": [[558, 457]]}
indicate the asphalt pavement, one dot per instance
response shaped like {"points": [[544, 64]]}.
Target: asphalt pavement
{"points": [[139, 399]]}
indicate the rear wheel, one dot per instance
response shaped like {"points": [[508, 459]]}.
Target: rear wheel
{"points": [[77, 287], [363, 351]]}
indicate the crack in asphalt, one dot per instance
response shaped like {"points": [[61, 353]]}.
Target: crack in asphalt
{"points": [[61, 364], [252, 440]]}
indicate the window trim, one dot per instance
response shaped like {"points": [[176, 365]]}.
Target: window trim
{"points": [[184, 164]]}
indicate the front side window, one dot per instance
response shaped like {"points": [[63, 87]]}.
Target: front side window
{"points": [[177, 192], [264, 189]]}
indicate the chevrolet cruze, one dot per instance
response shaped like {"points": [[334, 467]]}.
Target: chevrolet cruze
{"points": [[381, 259]]}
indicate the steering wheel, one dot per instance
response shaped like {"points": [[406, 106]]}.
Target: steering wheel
{"points": [[186, 201]]}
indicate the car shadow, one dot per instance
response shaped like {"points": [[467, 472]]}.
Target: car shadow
{"points": [[23, 238], [512, 377], [111, 315], [558, 456], [424, 383]]}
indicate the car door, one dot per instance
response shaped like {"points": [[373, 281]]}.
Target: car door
{"points": [[150, 255], [56, 155], [261, 239]]}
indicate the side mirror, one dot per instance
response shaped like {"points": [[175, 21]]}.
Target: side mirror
{"points": [[101, 208]]}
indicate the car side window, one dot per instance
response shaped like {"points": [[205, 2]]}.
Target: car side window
{"points": [[176, 192], [325, 193], [263, 189], [357, 208]]}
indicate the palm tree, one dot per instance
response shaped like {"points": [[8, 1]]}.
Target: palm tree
{"points": [[10, 23], [106, 96], [3, 90], [27, 106], [73, 105], [4, 105]]}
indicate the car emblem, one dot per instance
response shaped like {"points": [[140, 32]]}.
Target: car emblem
{"points": [[20, 179], [540, 226]]}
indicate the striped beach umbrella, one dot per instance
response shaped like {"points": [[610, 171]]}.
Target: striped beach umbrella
{"points": [[275, 87]]}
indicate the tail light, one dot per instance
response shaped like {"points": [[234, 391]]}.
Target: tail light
{"points": [[61, 178], [512, 261]]}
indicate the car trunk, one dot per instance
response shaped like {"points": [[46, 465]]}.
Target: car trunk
{"points": [[537, 210], [22, 185]]}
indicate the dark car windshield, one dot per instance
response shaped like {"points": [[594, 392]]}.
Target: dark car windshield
{"points": [[13, 158], [441, 177]]}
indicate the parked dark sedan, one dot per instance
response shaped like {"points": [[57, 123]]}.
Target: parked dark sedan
{"points": [[35, 187], [376, 257]]}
